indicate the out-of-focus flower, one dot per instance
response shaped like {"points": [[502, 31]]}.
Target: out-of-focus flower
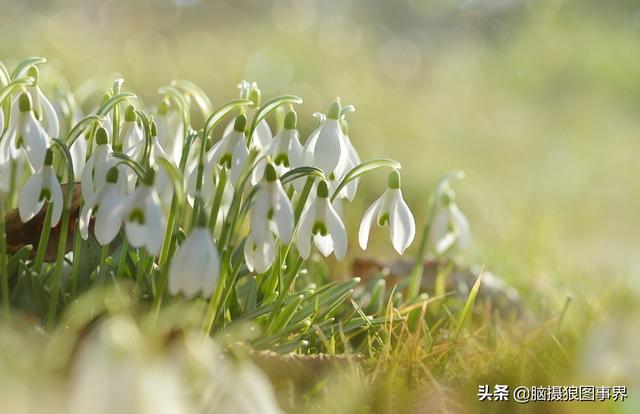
{"points": [[450, 228], [42, 107], [95, 170], [41, 187], [390, 210], [322, 223], [103, 202], [170, 131], [26, 132], [144, 219], [132, 136], [196, 267], [231, 151], [262, 136]]}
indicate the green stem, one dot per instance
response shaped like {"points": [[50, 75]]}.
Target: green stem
{"points": [[415, 277], [215, 300], [123, 256], [104, 254], [164, 254], [303, 198], [44, 239], [142, 264]]}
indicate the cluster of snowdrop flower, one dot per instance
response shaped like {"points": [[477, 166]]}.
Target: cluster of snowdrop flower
{"points": [[157, 175]]}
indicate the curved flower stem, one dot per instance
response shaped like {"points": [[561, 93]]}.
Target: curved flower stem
{"points": [[64, 230], [304, 196], [4, 271], [44, 239]]}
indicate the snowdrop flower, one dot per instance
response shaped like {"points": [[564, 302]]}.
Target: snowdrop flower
{"points": [[450, 228], [390, 209], [285, 149], [78, 151], [144, 219], [132, 136], [353, 160], [196, 267], [262, 136], [321, 222], [326, 148], [26, 132], [170, 131], [231, 151], [42, 107], [103, 203], [271, 216], [95, 170], [41, 187]]}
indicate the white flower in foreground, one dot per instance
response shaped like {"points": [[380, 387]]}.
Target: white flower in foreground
{"points": [[41, 187], [326, 148], [26, 132], [390, 209], [144, 219], [271, 217], [103, 203], [1, 122], [322, 223], [95, 170], [231, 151], [78, 151], [196, 267], [450, 228]]}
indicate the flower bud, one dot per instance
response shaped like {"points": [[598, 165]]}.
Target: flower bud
{"points": [[101, 136], [290, 120], [323, 189], [270, 173], [24, 102], [334, 109], [112, 175], [34, 72], [48, 158], [154, 129], [240, 123], [130, 114], [255, 96], [394, 179], [163, 109]]}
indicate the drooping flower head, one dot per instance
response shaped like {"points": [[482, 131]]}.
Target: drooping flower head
{"points": [[322, 224], [231, 151], [390, 210], [450, 228], [25, 132], [40, 188]]}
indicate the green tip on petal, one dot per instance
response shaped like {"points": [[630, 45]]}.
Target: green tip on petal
{"points": [[394, 179], [323, 189], [105, 98], [24, 102], [334, 109], [154, 129], [48, 157], [149, 177], [240, 123], [448, 196], [270, 173], [130, 114], [112, 175], [201, 220], [101, 136], [34, 72], [255, 96], [291, 120], [163, 109]]}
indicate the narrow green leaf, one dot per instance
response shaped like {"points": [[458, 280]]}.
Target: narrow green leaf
{"points": [[271, 106], [5, 78], [12, 86], [78, 128], [285, 315], [176, 177], [468, 307], [357, 171], [113, 101], [300, 172]]}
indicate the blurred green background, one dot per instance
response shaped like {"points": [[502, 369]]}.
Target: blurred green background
{"points": [[537, 101]]}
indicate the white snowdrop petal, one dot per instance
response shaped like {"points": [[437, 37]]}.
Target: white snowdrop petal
{"points": [[262, 135], [109, 215], [258, 171], [28, 201], [35, 141], [56, 197], [303, 239], [367, 221], [238, 160], [259, 221], [265, 255], [249, 253], [83, 220], [462, 224], [283, 213], [324, 244], [401, 223], [337, 230], [136, 234], [154, 223], [328, 153], [49, 115], [439, 225], [78, 152]]}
